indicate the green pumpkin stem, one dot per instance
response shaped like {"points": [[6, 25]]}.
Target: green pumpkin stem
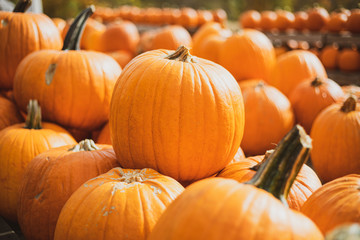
{"points": [[33, 118], [73, 36], [316, 82], [349, 105], [22, 5], [84, 145], [277, 174], [181, 54]]}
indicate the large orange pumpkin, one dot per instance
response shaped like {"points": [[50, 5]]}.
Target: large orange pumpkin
{"points": [[9, 113], [248, 54], [50, 179], [73, 87], [19, 144], [20, 34], [120, 204], [336, 140], [295, 67], [334, 204], [218, 208], [309, 98], [184, 116], [268, 117], [170, 38]]}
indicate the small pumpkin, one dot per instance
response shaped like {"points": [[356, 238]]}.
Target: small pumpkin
{"points": [[50, 179], [268, 117], [220, 15], [104, 135], [9, 113], [284, 20], [336, 140], [188, 18], [218, 208], [122, 57], [268, 20], [349, 60], [170, 38], [353, 22], [67, 82], [317, 19], [171, 122], [204, 16], [249, 19], [300, 20], [19, 144], [20, 34], [126, 203], [336, 22], [309, 98], [335, 203], [329, 56]]}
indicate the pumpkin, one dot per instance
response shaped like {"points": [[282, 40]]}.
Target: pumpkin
{"points": [[104, 135], [9, 113], [120, 35], [166, 16], [268, 117], [146, 40], [336, 22], [170, 121], [219, 15], [329, 56], [249, 83], [90, 39], [284, 20], [351, 89], [210, 48], [126, 203], [188, 17], [353, 22], [335, 203], [249, 19], [153, 15], [60, 24], [20, 34], [171, 37], [349, 60], [67, 82], [248, 54], [336, 140], [268, 20], [218, 208], [204, 16], [346, 231], [295, 67], [122, 57], [309, 98], [304, 185], [19, 144], [50, 179], [317, 18], [300, 20], [205, 32]]}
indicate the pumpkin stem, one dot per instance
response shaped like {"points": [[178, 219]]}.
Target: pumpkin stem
{"points": [[181, 54], [73, 36], [257, 166], [316, 82], [22, 5], [84, 145], [33, 118], [349, 104], [278, 172]]}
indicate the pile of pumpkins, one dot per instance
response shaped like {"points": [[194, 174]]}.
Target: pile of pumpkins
{"points": [[171, 119], [314, 19]]}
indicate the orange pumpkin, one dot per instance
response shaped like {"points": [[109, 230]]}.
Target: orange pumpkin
{"points": [[284, 20], [20, 34], [67, 82], [309, 98], [218, 208], [50, 179], [353, 22], [336, 140], [19, 144], [127, 201], [300, 20], [335, 203], [336, 22], [351, 89], [268, 20], [204, 16], [104, 135], [146, 40], [122, 57], [220, 15], [171, 122], [250, 19], [329, 56], [210, 48], [268, 117], [349, 60], [9, 113], [170, 38], [295, 67], [304, 185], [248, 54], [60, 24], [188, 18], [317, 18]]}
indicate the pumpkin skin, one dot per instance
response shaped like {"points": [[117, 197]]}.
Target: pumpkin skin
{"points": [[305, 184], [336, 22], [300, 20], [21, 34], [336, 140], [210, 48], [204, 16], [233, 215], [9, 113], [122, 57], [329, 56], [84, 78], [309, 98], [50, 179], [60, 24], [349, 60], [154, 126], [170, 38], [18, 146], [219, 15], [353, 22], [248, 54], [104, 135], [268, 117], [250, 19], [335, 203], [284, 19], [317, 18], [295, 67], [132, 201]]}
